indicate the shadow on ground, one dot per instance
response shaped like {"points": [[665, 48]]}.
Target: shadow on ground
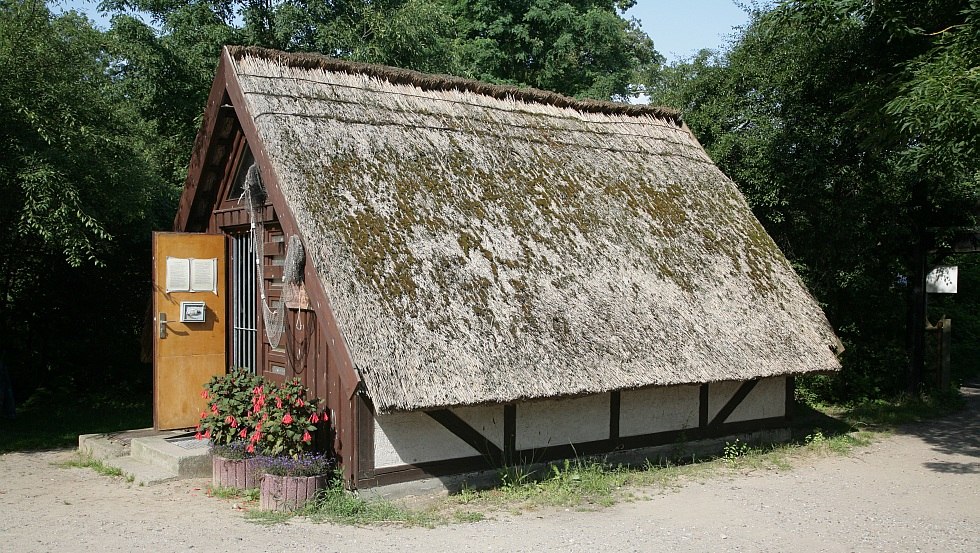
{"points": [[54, 419], [957, 434]]}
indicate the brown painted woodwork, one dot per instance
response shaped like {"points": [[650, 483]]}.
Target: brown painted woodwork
{"points": [[324, 365], [362, 462], [345, 408], [188, 354]]}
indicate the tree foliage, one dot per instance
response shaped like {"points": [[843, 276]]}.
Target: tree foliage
{"points": [[580, 48], [851, 126], [79, 191]]}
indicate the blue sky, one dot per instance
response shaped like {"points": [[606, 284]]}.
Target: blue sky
{"points": [[679, 28]]}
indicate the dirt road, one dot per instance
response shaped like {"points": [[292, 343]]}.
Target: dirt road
{"points": [[918, 490]]}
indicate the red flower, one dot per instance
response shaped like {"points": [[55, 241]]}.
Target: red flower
{"points": [[203, 414], [207, 433], [278, 403], [307, 437], [314, 418], [243, 433], [250, 448], [204, 394], [198, 436], [287, 419], [300, 403], [214, 409]]}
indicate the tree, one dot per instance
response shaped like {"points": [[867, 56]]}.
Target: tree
{"points": [[79, 192], [580, 48], [851, 128]]}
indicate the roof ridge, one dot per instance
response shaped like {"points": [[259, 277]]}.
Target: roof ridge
{"points": [[427, 81]]}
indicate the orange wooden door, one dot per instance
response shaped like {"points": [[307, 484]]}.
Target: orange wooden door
{"points": [[188, 352]]}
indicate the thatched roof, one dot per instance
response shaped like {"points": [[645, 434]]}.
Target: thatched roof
{"points": [[487, 244]]}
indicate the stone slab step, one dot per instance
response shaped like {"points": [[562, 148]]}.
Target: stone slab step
{"points": [[141, 472], [186, 459], [101, 447]]}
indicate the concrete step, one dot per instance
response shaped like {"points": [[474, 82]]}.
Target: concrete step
{"points": [[101, 447], [149, 456], [142, 473], [185, 457]]}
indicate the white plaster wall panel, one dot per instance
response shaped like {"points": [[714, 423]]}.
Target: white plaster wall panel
{"points": [[659, 409], [562, 422], [767, 400], [410, 438], [487, 420], [718, 395]]}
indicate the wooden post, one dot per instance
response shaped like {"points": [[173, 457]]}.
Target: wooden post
{"points": [[944, 347], [917, 318]]}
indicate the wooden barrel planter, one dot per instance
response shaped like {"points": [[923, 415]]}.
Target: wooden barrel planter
{"points": [[242, 474], [288, 493]]}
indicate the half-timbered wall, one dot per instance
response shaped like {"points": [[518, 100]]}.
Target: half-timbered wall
{"points": [[414, 445], [416, 438]]}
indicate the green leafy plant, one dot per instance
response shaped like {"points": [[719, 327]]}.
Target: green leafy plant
{"points": [[229, 404], [815, 438], [734, 451]]}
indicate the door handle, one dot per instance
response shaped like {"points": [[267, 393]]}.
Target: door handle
{"points": [[163, 325]]}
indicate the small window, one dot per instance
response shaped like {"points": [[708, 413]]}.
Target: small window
{"points": [[239, 185]]}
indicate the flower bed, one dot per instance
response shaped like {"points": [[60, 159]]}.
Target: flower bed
{"points": [[248, 415], [288, 483]]}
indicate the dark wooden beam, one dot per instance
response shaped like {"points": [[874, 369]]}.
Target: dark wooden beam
{"points": [[614, 411], [470, 436], [510, 434], [733, 403], [703, 406], [363, 456]]}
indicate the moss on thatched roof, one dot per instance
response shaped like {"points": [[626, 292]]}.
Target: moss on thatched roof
{"points": [[487, 244]]}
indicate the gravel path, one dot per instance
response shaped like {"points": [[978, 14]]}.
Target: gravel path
{"points": [[918, 490]]}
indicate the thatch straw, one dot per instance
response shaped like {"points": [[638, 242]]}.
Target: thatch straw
{"points": [[483, 248], [428, 82]]}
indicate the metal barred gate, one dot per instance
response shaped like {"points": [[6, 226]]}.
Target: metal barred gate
{"points": [[244, 328]]}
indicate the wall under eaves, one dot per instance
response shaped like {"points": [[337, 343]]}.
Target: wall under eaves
{"points": [[414, 445]]}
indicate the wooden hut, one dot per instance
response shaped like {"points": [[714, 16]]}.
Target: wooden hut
{"points": [[491, 274]]}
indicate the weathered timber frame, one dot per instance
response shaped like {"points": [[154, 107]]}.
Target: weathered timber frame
{"points": [[494, 458]]}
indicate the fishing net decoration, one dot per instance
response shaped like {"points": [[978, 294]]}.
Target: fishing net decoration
{"points": [[292, 274], [274, 316]]}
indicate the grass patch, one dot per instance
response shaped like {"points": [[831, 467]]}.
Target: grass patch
{"points": [[54, 420], [337, 505], [584, 484], [227, 492], [86, 462]]}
